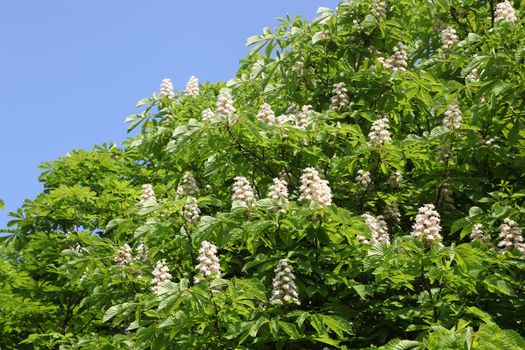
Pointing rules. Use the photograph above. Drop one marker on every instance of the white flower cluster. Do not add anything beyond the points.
(379, 8)
(391, 213)
(188, 185)
(208, 261)
(479, 233)
(510, 234)
(243, 192)
(427, 226)
(284, 290)
(452, 119)
(315, 189)
(207, 114)
(192, 87)
(166, 89)
(142, 252)
(473, 76)
(257, 66)
(266, 114)
(446, 198)
(191, 211)
(123, 256)
(504, 12)
(398, 60)
(148, 194)
(225, 103)
(303, 117)
(298, 67)
(339, 99)
(161, 274)
(395, 180)
(379, 133)
(279, 191)
(448, 38)
(363, 178)
(379, 230)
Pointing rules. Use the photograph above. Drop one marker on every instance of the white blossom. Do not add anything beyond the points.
(511, 237)
(473, 76)
(298, 67)
(225, 103)
(166, 89)
(378, 228)
(266, 114)
(379, 132)
(479, 233)
(257, 66)
(208, 261)
(188, 185)
(363, 178)
(303, 117)
(391, 213)
(192, 87)
(207, 114)
(427, 225)
(448, 38)
(452, 119)
(161, 274)
(446, 198)
(279, 191)
(398, 60)
(243, 192)
(284, 290)
(123, 256)
(504, 12)
(142, 252)
(379, 8)
(315, 189)
(148, 194)
(191, 211)
(339, 99)
(395, 180)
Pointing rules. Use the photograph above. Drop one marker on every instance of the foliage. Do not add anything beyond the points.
(62, 288)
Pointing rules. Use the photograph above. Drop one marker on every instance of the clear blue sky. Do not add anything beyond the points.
(71, 71)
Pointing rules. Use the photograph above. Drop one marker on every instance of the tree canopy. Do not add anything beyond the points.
(359, 184)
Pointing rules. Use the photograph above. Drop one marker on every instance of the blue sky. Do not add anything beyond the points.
(71, 71)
